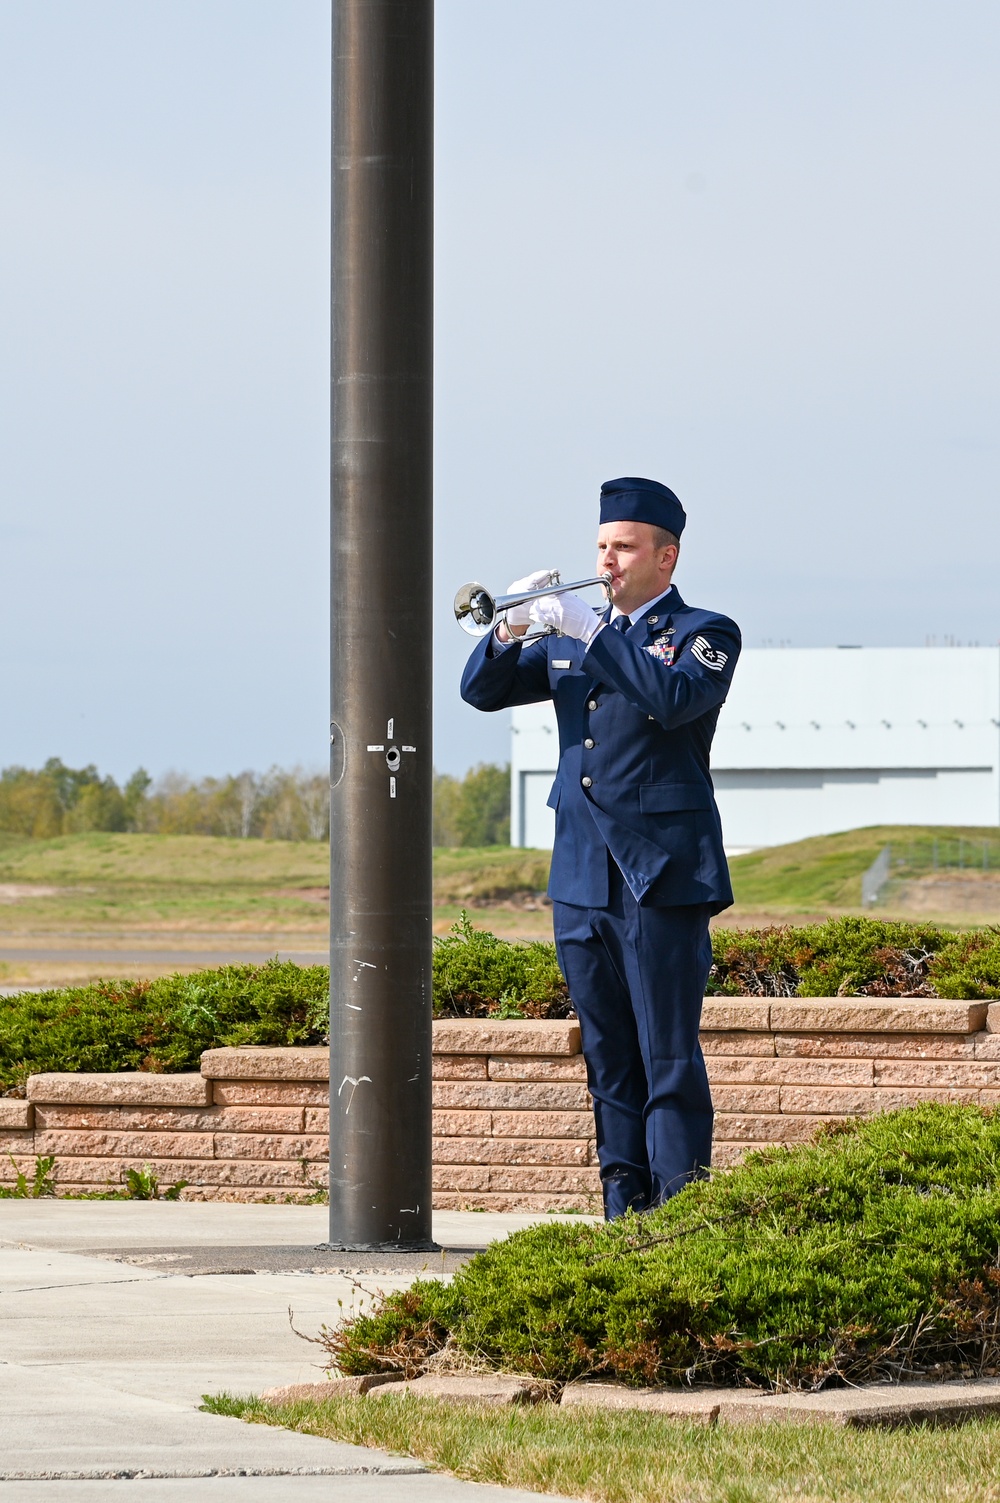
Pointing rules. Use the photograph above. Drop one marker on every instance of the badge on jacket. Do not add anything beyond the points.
(662, 649)
(709, 656)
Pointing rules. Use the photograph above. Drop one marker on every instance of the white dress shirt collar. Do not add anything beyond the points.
(641, 611)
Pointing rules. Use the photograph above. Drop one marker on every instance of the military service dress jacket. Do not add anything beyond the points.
(637, 711)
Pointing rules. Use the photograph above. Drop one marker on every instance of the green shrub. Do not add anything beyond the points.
(164, 1025)
(856, 957)
(842, 957)
(968, 965)
(476, 975)
(160, 1025)
(871, 1253)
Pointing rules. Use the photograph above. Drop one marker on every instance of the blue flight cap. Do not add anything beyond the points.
(633, 500)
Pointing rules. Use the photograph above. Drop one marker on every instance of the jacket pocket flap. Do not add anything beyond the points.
(552, 802)
(666, 798)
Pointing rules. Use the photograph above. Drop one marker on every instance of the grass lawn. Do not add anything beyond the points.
(170, 884)
(640, 1458)
(210, 883)
(162, 882)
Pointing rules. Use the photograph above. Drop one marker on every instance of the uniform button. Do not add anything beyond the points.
(591, 704)
(589, 744)
(587, 782)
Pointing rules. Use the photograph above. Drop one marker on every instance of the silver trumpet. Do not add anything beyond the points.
(478, 612)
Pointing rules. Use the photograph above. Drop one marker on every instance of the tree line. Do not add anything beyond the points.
(280, 804)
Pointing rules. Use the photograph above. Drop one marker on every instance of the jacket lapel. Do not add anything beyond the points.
(656, 621)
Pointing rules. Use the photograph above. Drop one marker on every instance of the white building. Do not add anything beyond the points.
(814, 740)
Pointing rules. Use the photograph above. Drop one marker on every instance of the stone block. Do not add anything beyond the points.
(96, 1173)
(876, 1015)
(512, 1151)
(723, 1069)
(986, 1045)
(460, 1067)
(132, 1119)
(236, 1195)
(256, 1062)
(993, 1018)
(511, 1096)
(465, 1177)
(479, 1036)
(333, 1388)
(838, 1101)
(317, 1119)
(856, 1102)
(536, 1069)
(16, 1115)
(763, 1129)
(495, 1390)
(17, 1144)
(885, 1405)
(260, 1119)
(279, 1174)
(746, 1014)
(115, 1147)
(265, 1146)
(462, 1124)
(873, 1046)
(270, 1093)
(515, 1179)
(133, 1088)
(460, 1200)
(543, 1124)
(725, 1155)
(746, 1098)
(737, 1041)
(966, 1074)
(53, 1117)
(699, 1407)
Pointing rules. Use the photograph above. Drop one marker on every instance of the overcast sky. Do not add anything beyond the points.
(748, 247)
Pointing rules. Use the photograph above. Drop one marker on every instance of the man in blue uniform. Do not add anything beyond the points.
(638, 866)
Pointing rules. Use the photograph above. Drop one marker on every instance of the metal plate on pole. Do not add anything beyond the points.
(380, 735)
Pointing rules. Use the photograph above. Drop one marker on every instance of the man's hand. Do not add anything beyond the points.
(568, 614)
(518, 617)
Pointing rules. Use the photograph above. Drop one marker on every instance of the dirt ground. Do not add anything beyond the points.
(968, 896)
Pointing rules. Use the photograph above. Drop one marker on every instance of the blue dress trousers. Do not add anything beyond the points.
(638, 868)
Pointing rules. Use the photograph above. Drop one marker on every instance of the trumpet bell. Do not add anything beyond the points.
(475, 609)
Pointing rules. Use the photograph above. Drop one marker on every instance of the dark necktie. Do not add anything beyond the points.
(622, 623)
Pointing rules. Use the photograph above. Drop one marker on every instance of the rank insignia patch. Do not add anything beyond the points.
(662, 650)
(709, 656)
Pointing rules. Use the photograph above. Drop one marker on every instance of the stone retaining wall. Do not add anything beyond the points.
(512, 1122)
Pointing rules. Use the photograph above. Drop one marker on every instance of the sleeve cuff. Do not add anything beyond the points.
(496, 647)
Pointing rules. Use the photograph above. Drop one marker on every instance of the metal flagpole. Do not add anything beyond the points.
(380, 732)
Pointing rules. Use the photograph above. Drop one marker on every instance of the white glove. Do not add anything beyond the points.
(518, 615)
(570, 616)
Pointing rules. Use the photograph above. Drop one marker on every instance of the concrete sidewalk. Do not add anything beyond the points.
(104, 1360)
